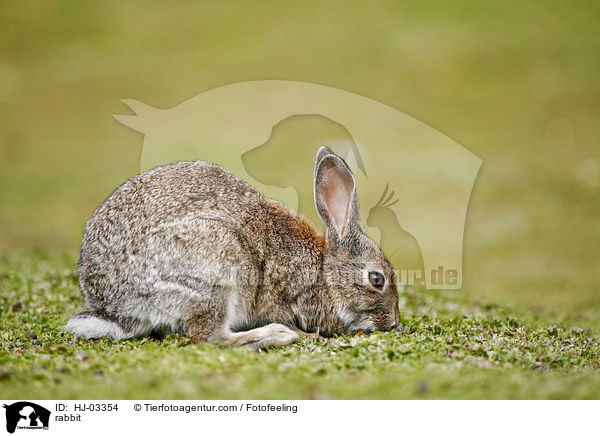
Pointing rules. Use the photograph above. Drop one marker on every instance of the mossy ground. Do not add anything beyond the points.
(449, 346)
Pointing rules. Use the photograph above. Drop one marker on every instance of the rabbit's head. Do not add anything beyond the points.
(357, 274)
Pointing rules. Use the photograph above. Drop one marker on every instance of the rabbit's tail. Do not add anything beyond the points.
(96, 324)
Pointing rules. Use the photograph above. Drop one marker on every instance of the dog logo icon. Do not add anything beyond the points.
(26, 415)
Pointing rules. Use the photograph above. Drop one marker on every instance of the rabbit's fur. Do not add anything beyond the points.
(189, 248)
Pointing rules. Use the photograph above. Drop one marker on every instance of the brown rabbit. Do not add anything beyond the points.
(189, 248)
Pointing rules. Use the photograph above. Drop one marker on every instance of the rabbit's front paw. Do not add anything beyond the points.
(271, 335)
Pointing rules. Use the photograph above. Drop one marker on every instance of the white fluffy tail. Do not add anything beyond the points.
(91, 325)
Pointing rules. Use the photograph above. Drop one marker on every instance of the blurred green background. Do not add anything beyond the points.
(516, 83)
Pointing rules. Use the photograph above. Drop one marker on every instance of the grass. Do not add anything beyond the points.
(449, 346)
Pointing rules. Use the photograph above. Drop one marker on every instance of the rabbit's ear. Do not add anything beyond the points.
(321, 153)
(335, 196)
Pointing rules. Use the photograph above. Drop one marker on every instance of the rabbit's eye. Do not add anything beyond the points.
(376, 279)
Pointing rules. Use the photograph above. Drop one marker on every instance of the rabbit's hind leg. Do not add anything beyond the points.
(207, 327)
(217, 323)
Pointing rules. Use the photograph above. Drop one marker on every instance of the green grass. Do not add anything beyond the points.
(449, 346)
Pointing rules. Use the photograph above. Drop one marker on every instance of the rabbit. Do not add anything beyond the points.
(189, 248)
